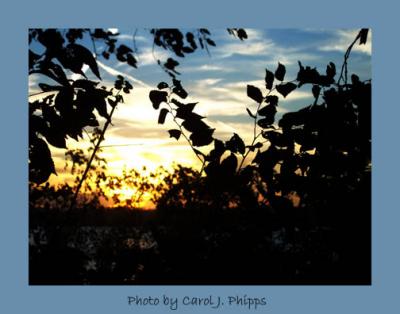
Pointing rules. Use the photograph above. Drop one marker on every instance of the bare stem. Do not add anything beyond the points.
(96, 147)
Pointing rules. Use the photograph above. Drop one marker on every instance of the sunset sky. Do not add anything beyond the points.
(217, 82)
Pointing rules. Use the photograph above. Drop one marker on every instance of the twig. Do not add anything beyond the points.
(344, 65)
(101, 138)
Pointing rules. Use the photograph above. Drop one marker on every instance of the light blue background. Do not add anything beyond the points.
(16, 296)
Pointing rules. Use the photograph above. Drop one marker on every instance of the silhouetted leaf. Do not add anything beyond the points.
(276, 138)
(122, 53)
(363, 36)
(267, 110)
(55, 137)
(195, 124)
(266, 122)
(74, 56)
(41, 165)
(157, 97)
(235, 144)
(254, 93)
(355, 79)
(37, 124)
(63, 100)
(175, 133)
(252, 148)
(272, 100)
(269, 79)
(202, 138)
(131, 60)
(316, 90)
(190, 39)
(178, 89)
(49, 88)
(242, 34)
(250, 113)
(229, 165)
(311, 75)
(98, 97)
(330, 70)
(171, 64)
(216, 153)
(210, 42)
(185, 111)
(162, 115)
(280, 72)
(292, 118)
(52, 40)
(85, 84)
(286, 89)
(205, 31)
(162, 85)
(187, 49)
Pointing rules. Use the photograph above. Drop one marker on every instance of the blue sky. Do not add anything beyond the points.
(218, 82)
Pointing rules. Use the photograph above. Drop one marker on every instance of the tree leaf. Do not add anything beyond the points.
(157, 97)
(269, 79)
(63, 100)
(250, 113)
(330, 70)
(49, 88)
(74, 56)
(219, 149)
(280, 72)
(316, 90)
(266, 122)
(272, 100)
(229, 165)
(236, 144)
(131, 60)
(363, 36)
(84, 84)
(41, 165)
(162, 85)
(178, 89)
(175, 133)
(55, 137)
(162, 115)
(171, 64)
(210, 42)
(185, 111)
(267, 110)
(286, 89)
(202, 138)
(254, 93)
(241, 33)
(195, 124)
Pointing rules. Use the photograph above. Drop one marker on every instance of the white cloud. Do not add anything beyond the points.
(206, 68)
(147, 56)
(343, 40)
(115, 72)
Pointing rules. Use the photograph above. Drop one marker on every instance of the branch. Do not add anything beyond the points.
(101, 138)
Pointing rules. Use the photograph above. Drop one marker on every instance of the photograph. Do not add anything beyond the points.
(199, 156)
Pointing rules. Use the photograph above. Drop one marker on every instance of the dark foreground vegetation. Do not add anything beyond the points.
(302, 245)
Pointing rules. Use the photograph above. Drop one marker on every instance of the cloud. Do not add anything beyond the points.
(342, 40)
(114, 72)
(206, 68)
(147, 56)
